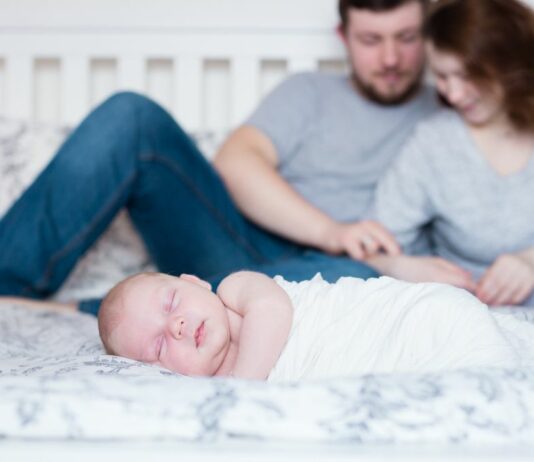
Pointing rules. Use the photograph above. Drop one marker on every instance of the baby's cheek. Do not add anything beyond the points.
(172, 360)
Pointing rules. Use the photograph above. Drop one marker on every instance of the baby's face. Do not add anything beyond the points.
(173, 322)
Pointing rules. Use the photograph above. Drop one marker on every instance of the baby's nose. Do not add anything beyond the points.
(177, 327)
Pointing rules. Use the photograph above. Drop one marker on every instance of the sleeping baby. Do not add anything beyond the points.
(255, 327)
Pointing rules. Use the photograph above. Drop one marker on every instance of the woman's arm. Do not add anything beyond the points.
(404, 203)
(267, 315)
(527, 255)
(423, 269)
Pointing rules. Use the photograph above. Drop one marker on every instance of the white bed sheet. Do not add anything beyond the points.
(56, 385)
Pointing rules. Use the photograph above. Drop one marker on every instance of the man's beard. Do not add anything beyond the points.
(369, 91)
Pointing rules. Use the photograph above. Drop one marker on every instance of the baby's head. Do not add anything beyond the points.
(175, 322)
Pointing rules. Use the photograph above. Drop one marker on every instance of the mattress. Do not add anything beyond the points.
(56, 384)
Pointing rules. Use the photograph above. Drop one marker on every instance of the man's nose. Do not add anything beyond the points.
(177, 327)
(390, 54)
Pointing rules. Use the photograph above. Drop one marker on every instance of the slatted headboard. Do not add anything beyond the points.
(207, 61)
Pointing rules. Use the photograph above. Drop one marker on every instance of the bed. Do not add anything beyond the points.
(61, 395)
(59, 392)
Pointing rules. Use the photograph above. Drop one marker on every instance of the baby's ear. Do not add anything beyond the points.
(196, 280)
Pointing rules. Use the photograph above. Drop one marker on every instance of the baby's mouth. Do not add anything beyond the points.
(199, 334)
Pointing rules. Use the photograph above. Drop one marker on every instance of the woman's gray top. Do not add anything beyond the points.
(442, 196)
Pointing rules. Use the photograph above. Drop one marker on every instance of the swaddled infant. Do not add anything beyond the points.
(259, 328)
(180, 324)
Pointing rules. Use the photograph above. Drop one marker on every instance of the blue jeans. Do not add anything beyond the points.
(130, 153)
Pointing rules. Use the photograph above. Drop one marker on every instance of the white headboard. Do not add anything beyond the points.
(207, 61)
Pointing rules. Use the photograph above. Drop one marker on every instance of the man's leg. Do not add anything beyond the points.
(203, 232)
(307, 264)
(311, 262)
(128, 152)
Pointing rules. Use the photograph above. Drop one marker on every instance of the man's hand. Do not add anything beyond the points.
(424, 269)
(508, 281)
(359, 240)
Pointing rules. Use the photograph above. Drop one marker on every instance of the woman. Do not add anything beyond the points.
(463, 188)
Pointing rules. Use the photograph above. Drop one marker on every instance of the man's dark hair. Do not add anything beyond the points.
(373, 5)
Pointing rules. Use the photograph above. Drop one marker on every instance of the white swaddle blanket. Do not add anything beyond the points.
(384, 325)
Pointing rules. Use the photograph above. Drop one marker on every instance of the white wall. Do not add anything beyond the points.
(260, 14)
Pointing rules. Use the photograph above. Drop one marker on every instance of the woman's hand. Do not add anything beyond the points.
(359, 240)
(508, 281)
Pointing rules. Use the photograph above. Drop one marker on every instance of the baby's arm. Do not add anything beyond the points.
(267, 315)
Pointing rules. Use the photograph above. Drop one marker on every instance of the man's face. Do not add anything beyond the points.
(386, 51)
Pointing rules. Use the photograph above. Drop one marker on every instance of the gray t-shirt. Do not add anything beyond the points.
(473, 214)
(332, 143)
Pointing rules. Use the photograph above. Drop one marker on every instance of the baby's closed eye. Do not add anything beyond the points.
(173, 301)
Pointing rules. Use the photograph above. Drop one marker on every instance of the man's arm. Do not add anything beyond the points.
(248, 164)
(267, 315)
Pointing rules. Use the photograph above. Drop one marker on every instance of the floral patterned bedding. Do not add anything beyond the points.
(56, 382)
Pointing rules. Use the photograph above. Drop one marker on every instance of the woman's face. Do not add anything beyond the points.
(478, 107)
